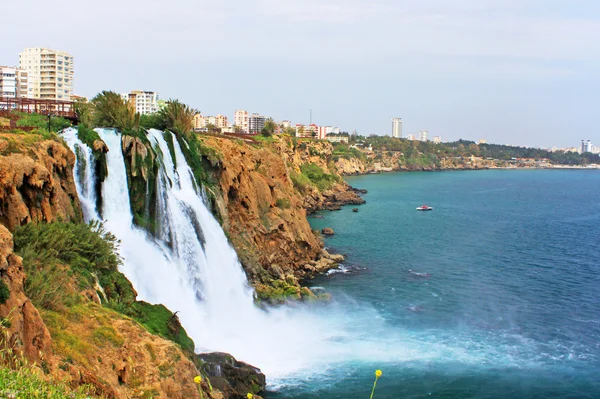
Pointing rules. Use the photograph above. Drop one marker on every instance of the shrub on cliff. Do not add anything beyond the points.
(323, 181)
(55, 253)
(62, 260)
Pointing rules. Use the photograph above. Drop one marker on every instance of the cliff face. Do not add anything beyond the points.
(262, 212)
(25, 331)
(36, 181)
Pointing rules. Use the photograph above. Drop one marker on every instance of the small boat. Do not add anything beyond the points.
(425, 208)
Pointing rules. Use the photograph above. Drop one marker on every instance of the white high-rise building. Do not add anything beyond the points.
(145, 102)
(586, 146)
(397, 127)
(241, 120)
(423, 135)
(50, 73)
(437, 139)
(14, 82)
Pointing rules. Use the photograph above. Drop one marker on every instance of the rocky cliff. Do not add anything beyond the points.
(393, 161)
(264, 214)
(36, 181)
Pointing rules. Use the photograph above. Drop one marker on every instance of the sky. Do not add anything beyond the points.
(523, 72)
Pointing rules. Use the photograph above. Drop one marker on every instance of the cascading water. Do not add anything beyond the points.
(192, 269)
(84, 173)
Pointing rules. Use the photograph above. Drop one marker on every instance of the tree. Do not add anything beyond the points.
(111, 110)
(290, 131)
(269, 128)
(177, 117)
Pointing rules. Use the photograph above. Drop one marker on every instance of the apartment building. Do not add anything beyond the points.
(221, 121)
(145, 102)
(437, 139)
(50, 73)
(256, 123)
(423, 135)
(307, 131)
(14, 82)
(241, 119)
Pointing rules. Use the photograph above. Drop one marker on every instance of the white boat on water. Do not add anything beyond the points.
(425, 208)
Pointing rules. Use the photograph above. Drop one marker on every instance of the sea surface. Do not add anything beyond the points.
(493, 294)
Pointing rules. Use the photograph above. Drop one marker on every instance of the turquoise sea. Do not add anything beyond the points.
(493, 294)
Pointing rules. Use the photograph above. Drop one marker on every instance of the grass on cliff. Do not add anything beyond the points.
(65, 261)
(26, 383)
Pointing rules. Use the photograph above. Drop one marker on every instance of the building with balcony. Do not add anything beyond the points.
(50, 73)
(14, 82)
(256, 123)
(145, 102)
(241, 119)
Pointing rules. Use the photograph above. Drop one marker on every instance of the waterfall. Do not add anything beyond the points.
(191, 268)
(84, 173)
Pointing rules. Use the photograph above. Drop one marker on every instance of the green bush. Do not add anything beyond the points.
(56, 253)
(4, 292)
(40, 122)
(300, 181)
(317, 176)
(87, 135)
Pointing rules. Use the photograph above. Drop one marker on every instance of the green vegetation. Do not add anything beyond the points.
(283, 203)
(40, 122)
(177, 117)
(323, 181)
(341, 150)
(269, 128)
(161, 321)
(4, 292)
(26, 383)
(63, 260)
(111, 110)
(301, 182)
(56, 253)
(87, 135)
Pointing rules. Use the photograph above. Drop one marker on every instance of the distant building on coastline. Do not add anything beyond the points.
(423, 135)
(397, 127)
(145, 102)
(14, 82)
(49, 73)
(256, 122)
(437, 139)
(586, 146)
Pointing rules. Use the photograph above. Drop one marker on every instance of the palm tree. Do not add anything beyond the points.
(178, 117)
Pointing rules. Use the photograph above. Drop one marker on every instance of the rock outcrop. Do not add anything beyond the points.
(234, 378)
(23, 327)
(36, 182)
